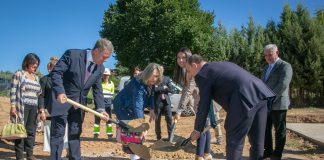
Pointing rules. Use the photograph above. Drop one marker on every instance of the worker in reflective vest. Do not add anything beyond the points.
(108, 88)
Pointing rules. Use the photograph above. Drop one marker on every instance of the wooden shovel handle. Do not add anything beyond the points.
(84, 108)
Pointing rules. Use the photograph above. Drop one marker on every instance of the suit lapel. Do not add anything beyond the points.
(83, 63)
(264, 73)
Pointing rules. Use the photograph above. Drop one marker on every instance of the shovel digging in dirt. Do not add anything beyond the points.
(186, 141)
(135, 127)
(140, 150)
(132, 126)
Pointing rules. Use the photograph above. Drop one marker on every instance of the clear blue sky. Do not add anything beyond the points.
(48, 28)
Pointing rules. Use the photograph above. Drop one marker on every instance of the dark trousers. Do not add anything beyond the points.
(277, 119)
(212, 116)
(58, 124)
(203, 143)
(238, 125)
(168, 118)
(108, 110)
(30, 115)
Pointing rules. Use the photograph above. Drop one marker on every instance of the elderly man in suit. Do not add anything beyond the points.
(72, 77)
(243, 96)
(277, 75)
(162, 103)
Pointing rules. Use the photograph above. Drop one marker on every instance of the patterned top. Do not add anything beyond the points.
(32, 90)
(20, 93)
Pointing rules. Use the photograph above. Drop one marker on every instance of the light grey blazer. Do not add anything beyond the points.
(279, 80)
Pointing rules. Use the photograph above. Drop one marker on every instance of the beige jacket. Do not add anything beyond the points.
(189, 99)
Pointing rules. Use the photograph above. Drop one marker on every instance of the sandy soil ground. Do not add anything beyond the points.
(296, 147)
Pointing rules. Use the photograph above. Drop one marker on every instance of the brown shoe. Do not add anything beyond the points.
(199, 158)
(208, 156)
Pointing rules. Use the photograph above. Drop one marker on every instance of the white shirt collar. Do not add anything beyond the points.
(89, 56)
(272, 65)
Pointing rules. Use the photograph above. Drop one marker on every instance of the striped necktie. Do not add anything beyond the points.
(88, 72)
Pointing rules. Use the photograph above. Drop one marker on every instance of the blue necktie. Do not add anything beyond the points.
(268, 72)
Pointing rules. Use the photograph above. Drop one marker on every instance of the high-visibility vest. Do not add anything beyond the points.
(108, 89)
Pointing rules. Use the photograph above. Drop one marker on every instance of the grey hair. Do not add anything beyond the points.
(271, 47)
(103, 44)
(148, 72)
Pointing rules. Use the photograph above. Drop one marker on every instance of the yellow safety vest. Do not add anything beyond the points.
(108, 89)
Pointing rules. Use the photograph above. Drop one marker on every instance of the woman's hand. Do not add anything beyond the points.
(13, 111)
(152, 115)
(42, 115)
(177, 117)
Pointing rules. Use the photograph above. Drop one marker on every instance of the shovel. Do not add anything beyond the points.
(173, 130)
(141, 128)
(137, 149)
(186, 141)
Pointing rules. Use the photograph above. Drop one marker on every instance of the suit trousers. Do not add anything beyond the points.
(277, 119)
(238, 125)
(168, 118)
(30, 116)
(74, 120)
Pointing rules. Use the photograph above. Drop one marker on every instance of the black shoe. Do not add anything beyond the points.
(266, 155)
(31, 158)
(110, 137)
(274, 157)
(158, 138)
(95, 136)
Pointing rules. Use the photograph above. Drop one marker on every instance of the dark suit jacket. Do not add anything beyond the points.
(279, 80)
(68, 77)
(44, 97)
(159, 90)
(230, 86)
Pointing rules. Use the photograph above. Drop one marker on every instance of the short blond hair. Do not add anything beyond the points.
(148, 72)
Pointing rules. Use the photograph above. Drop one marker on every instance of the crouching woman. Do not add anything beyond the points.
(130, 102)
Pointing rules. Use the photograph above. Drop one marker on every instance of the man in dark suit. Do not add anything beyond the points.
(243, 96)
(162, 103)
(277, 75)
(72, 77)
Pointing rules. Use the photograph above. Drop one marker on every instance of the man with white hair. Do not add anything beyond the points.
(277, 76)
(74, 74)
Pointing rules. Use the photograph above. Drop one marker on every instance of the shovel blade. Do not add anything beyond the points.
(185, 142)
(172, 131)
(140, 150)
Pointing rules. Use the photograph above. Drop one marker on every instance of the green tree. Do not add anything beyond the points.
(219, 43)
(271, 33)
(144, 31)
(301, 46)
(238, 48)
